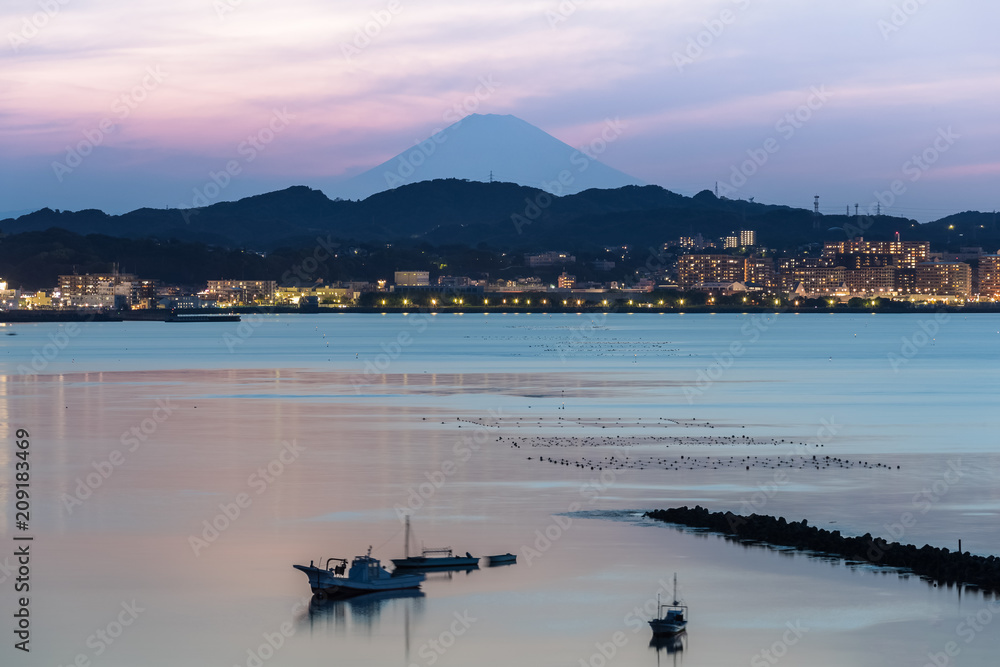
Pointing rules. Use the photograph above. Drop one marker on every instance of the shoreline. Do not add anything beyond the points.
(35, 316)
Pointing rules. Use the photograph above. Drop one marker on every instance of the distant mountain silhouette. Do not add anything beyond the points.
(501, 215)
(513, 150)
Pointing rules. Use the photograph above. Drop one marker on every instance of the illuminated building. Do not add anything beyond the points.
(989, 277)
(944, 279)
(696, 269)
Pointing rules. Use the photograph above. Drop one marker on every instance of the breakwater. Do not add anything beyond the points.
(933, 563)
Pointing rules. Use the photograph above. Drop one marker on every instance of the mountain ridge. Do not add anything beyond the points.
(505, 215)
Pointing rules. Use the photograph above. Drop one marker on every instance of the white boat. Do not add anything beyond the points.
(671, 619)
(366, 575)
(433, 559)
(501, 559)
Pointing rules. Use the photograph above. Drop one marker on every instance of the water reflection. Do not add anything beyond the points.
(500, 564)
(447, 573)
(359, 614)
(672, 646)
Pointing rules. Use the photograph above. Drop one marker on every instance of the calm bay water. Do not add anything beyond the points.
(282, 409)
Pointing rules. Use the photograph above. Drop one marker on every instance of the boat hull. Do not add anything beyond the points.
(665, 628)
(331, 585)
(502, 559)
(423, 563)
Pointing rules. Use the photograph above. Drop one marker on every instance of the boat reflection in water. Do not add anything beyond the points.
(673, 645)
(360, 614)
(448, 573)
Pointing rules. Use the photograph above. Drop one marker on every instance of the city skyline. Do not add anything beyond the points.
(839, 101)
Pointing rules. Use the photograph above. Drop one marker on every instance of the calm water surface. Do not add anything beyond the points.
(200, 414)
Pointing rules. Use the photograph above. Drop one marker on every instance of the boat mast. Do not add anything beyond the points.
(406, 545)
(675, 589)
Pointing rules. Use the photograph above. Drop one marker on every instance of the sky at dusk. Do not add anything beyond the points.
(116, 105)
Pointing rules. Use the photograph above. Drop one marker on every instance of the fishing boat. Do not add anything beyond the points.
(433, 559)
(502, 559)
(366, 575)
(671, 619)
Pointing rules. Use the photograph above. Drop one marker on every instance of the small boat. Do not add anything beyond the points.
(502, 559)
(366, 575)
(433, 559)
(671, 619)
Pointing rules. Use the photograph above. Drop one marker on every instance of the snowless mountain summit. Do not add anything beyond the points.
(505, 146)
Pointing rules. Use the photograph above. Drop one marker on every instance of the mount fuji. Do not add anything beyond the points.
(505, 148)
